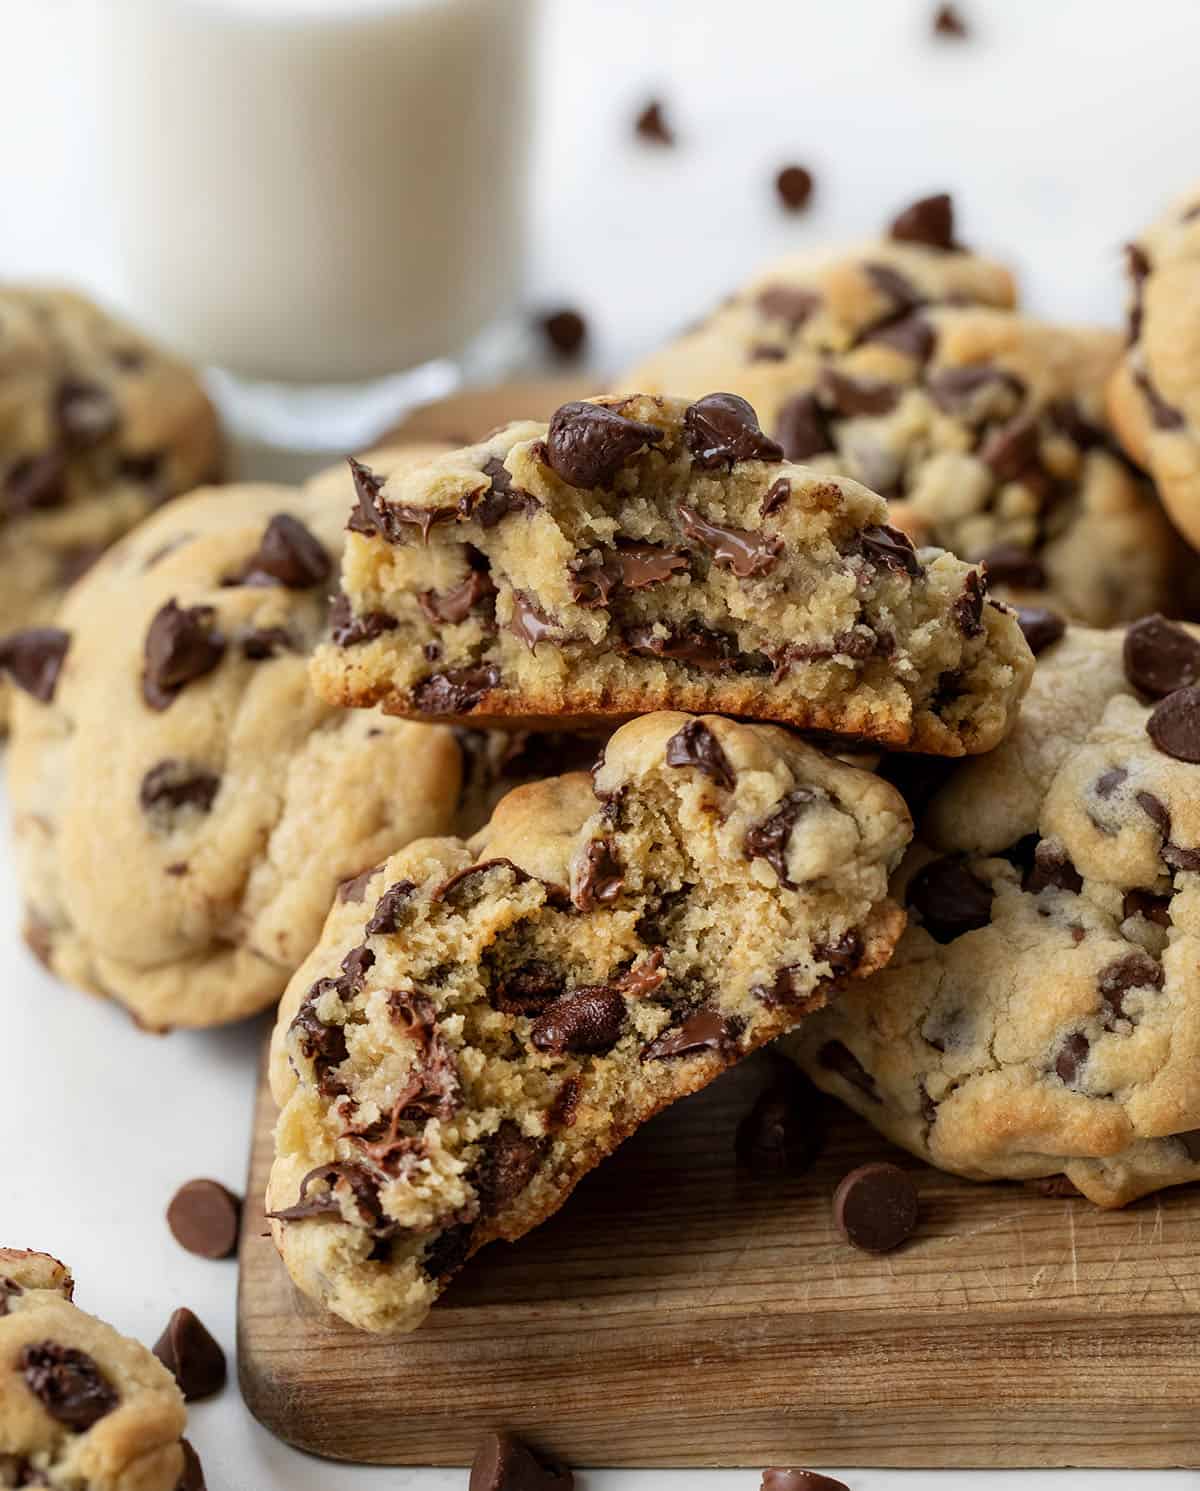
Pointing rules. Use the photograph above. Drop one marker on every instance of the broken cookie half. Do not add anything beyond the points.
(644, 552)
(496, 1016)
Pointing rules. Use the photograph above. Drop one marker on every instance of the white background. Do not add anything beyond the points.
(1060, 127)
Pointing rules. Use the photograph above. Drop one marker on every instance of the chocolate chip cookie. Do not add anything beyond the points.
(97, 428)
(1154, 395)
(184, 807)
(80, 1405)
(1042, 1014)
(641, 553)
(985, 430)
(493, 1018)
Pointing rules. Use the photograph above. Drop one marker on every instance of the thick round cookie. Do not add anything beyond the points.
(184, 806)
(984, 429)
(97, 428)
(646, 553)
(495, 1017)
(1154, 395)
(80, 1405)
(1042, 1013)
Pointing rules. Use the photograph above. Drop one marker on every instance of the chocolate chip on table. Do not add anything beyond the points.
(782, 1134)
(706, 1029)
(745, 552)
(1012, 564)
(33, 659)
(290, 555)
(1041, 626)
(86, 413)
(67, 1383)
(204, 1217)
(801, 428)
(778, 1478)
(794, 186)
(586, 1020)
(1174, 725)
(588, 444)
(949, 24)
(769, 839)
(191, 1355)
(722, 429)
(505, 1463)
(565, 332)
(1160, 657)
(929, 221)
(694, 744)
(34, 483)
(651, 125)
(192, 1478)
(172, 784)
(875, 1207)
(182, 644)
(950, 898)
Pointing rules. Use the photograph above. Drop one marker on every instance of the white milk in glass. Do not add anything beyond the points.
(319, 191)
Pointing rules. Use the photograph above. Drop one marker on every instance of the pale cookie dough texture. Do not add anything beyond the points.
(184, 806)
(82, 1408)
(645, 553)
(1154, 396)
(495, 1017)
(1041, 1017)
(98, 427)
(900, 365)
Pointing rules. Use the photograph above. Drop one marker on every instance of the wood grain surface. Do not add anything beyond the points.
(676, 1312)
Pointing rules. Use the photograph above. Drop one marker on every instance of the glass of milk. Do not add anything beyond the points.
(323, 200)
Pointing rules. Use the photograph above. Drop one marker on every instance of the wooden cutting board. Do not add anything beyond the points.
(676, 1312)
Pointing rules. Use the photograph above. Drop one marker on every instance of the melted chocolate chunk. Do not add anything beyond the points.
(586, 1020)
(968, 608)
(588, 444)
(504, 1463)
(929, 221)
(385, 919)
(912, 334)
(1160, 657)
(456, 604)
(705, 1029)
(33, 659)
(776, 497)
(529, 623)
(365, 516)
(448, 1251)
(694, 744)
(1072, 1055)
(289, 555)
(794, 186)
(191, 1355)
(1137, 262)
(1174, 855)
(1041, 627)
(565, 331)
(1136, 970)
(457, 691)
(695, 645)
(1066, 415)
(853, 396)
(1164, 416)
(513, 1159)
(957, 390)
(172, 785)
(782, 1135)
(501, 498)
(651, 128)
(1011, 564)
(348, 1176)
(888, 546)
(86, 413)
(876, 1208)
(631, 566)
(949, 898)
(769, 839)
(835, 1057)
(601, 878)
(1174, 725)
(1051, 870)
(801, 428)
(1144, 903)
(722, 429)
(746, 552)
(34, 484)
(182, 644)
(1014, 449)
(349, 630)
(67, 1383)
(526, 990)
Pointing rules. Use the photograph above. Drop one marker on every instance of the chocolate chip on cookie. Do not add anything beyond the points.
(182, 644)
(694, 744)
(950, 898)
(928, 221)
(587, 444)
(191, 1355)
(33, 659)
(876, 1207)
(1160, 657)
(68, 1384)
(1041, 627)
(722, 429)
(289, 555)
(204, 1218)
(1174, 725)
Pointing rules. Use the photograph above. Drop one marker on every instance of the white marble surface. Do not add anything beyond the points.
(1059, 127)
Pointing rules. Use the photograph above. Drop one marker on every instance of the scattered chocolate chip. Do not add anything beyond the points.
(631, 566)
(835, 1057)
(853, 396)
(1163, 415)
(929, 221)
(788, 303)
(588, 444)
(457, 691)
(776, 497)
(948, 23)
(87, 414)
(1011, 564)
(192, 1478)
(1041, 627)
(504, 1463)
(191, 1355)
(777, 1478)
(801, 428)
(182, 644)
(33, 659)
(565, 332)
(35, 483)
(1174, 725)
(289, 555)
(888, 546)
(1072, 1054)
(1051, 869)
(349, 630)
(1144, 903)
(705, 1029)
(601, 878)
(1160, 657)
(651, 125)
(172, 785)
(67, 1383)
(794, 186)
(204, 1218)
(586, 1020)
(747, 553)
(769, 839)
(695, 645)
(782, 1134)
(694, 744)
(950, 899)
(722, 429)
(875, 1207)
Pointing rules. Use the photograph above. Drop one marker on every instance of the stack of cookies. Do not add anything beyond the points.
(546, 778)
